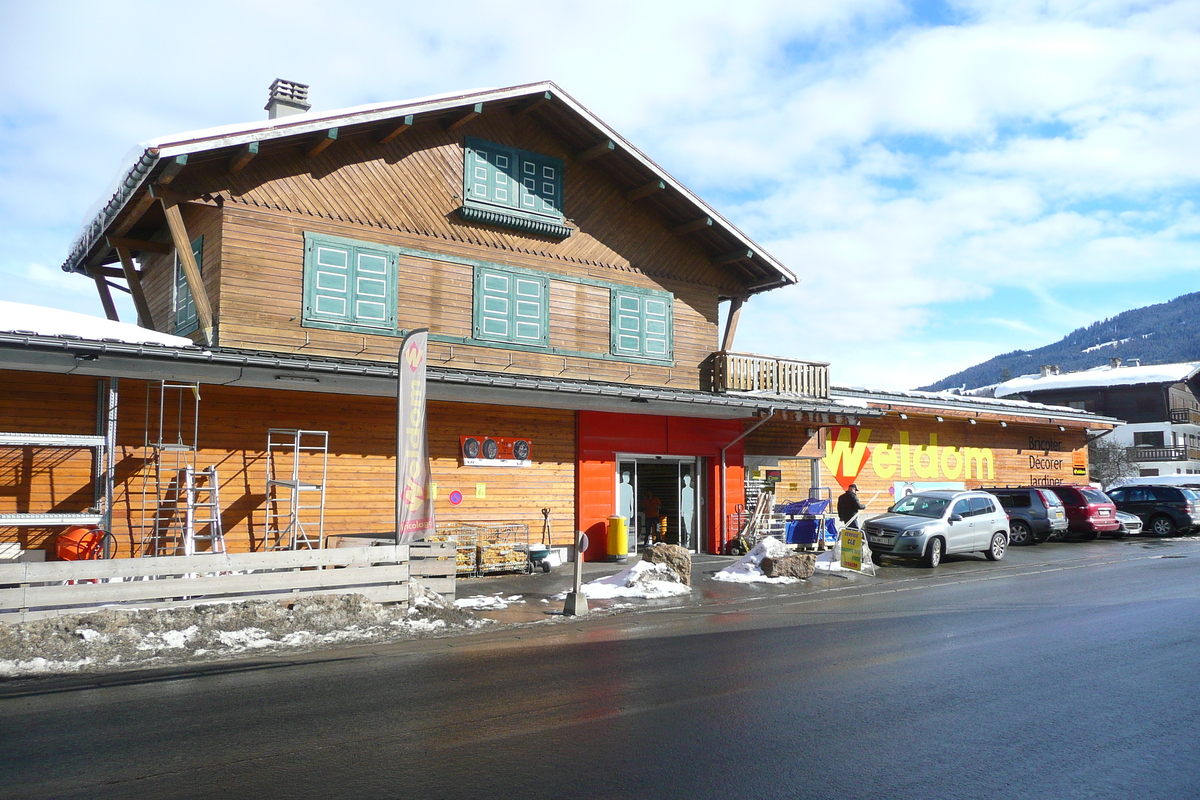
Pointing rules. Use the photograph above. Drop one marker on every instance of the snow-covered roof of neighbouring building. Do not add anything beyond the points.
(962, 402)
(1100, 377)
(42, 321)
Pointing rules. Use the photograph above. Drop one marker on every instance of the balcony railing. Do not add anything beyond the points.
(744, 372)
(1185, 416)
(1179, 453)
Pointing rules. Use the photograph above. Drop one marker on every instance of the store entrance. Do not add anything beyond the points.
(660, 498)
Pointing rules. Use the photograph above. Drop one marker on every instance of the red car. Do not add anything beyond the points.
(1090, 512)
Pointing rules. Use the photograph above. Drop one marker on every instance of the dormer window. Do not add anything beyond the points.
(513, 188)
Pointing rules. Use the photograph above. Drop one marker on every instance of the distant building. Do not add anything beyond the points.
(1160, 403)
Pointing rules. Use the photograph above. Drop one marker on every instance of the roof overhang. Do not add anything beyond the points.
(226, 367)
(968, 407)
(628, 166)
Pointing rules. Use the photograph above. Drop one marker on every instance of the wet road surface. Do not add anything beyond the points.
(1067, 670)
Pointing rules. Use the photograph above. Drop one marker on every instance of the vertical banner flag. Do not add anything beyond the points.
(414, 498)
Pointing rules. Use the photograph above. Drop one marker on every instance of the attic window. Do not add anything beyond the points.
(513, 188)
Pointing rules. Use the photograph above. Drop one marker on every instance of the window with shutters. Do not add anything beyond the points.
(641, 324)
(349, 285)
(512, 307)
(186, 320)
(513, 188)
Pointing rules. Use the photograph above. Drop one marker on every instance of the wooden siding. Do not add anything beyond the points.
(1010, 447)
(405, 194)
(233, 435)
(158, 271)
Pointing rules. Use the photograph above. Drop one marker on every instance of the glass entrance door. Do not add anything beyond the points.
(660, 498)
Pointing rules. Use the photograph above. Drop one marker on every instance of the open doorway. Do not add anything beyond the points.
(661, 498)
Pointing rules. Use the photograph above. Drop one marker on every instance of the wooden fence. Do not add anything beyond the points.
(30, 590)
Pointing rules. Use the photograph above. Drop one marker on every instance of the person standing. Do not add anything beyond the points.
(848, 504)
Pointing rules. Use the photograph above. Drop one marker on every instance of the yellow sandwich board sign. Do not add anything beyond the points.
(852, 549)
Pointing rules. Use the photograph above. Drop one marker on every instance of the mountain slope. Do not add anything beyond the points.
(1164, 333)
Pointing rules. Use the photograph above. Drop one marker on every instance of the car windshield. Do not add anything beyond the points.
(917, 506)
(1190, 494)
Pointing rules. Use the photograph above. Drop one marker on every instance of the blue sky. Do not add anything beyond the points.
(950, 180)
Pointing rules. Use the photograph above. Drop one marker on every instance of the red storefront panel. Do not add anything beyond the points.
(602, 435)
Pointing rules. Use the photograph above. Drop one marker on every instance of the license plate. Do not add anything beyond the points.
(1104, 512)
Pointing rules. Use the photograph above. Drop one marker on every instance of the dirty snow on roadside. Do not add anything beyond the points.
(642, 579)
(747, 570)
(494, 602)
(114, 638)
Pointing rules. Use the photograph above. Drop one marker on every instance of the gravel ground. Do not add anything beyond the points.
(110, 639)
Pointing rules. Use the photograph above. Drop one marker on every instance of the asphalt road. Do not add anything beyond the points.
(1067, 670)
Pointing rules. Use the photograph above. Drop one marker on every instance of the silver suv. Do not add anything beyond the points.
(929, 525)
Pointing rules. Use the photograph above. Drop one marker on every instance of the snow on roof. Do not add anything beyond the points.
(1100, 377)
(42, 321)
(950, 397)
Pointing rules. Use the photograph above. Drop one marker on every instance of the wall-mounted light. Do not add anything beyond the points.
(1061, 428)
(973, 422)
(939, 419)
(1003, 424)
(904, 416)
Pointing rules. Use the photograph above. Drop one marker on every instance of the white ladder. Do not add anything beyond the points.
(200, 512)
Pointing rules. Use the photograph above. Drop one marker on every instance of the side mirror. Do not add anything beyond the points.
(891, 508)
(956, 517)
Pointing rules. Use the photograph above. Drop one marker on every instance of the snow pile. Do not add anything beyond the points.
(831, 561)
(118, 638)
(747, 570)
(642, 579)
(42, 321)
(489, 602)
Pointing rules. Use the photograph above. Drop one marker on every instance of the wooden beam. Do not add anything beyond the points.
(173, 168)
(191, 270)
(243, 156)
(731, 322)
(172, 197)
(321, 142)
(595, 151)
(524, 108)
(111, 272)
(734, 257)
(396, 130)
(139, 245)
(693, 226)
(118, 287)
(645, 190)
(110, 308)
(135, 289)
(458, 122)
(135, 212)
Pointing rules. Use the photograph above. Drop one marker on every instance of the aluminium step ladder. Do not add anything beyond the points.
(297, 467)
(202, 514)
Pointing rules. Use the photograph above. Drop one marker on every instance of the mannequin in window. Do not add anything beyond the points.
(687, 509)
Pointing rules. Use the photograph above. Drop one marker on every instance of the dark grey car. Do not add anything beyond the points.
(928, 525)
(1034, 515)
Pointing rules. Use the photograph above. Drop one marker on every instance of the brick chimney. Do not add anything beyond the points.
(287, 98)
(1045, 370)
(1114, 362)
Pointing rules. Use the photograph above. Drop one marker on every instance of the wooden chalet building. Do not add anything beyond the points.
(571, 287)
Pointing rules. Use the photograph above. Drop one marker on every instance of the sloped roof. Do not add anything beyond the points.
(627, 166)
(1100, 377)
(970, 403)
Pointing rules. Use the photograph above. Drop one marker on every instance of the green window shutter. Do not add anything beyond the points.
(349, 284)
(517, 180)
(511, 307)
(541, 185)
(489, 174)
(186, 319)
(641, 324)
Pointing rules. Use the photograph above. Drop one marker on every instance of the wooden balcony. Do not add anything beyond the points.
(1185, 416)
(1176, 453)
(744, 372)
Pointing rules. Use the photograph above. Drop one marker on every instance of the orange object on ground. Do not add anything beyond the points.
(79, 543)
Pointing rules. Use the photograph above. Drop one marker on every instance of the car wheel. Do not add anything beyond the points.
(1020, 533)
(877, 558)
(1162, 525)
(1089, 535)
(933, 553)
(996, 551)
(1058, 536)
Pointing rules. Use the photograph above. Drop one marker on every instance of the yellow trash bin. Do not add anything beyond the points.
(618, 539)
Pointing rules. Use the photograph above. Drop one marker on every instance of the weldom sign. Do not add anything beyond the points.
(414, 498)
(848, 452)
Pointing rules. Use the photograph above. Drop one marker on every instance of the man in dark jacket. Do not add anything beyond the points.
(848, 504)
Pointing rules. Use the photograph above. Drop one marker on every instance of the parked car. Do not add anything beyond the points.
(1164, 510)
(928, 525)
(1033, 514)
(1131, 524)
(1090, 512)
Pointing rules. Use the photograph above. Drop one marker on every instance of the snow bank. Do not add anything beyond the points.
(642, 579)
(747, 570)
(42, 321)
(489, 602)
(116, 638)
